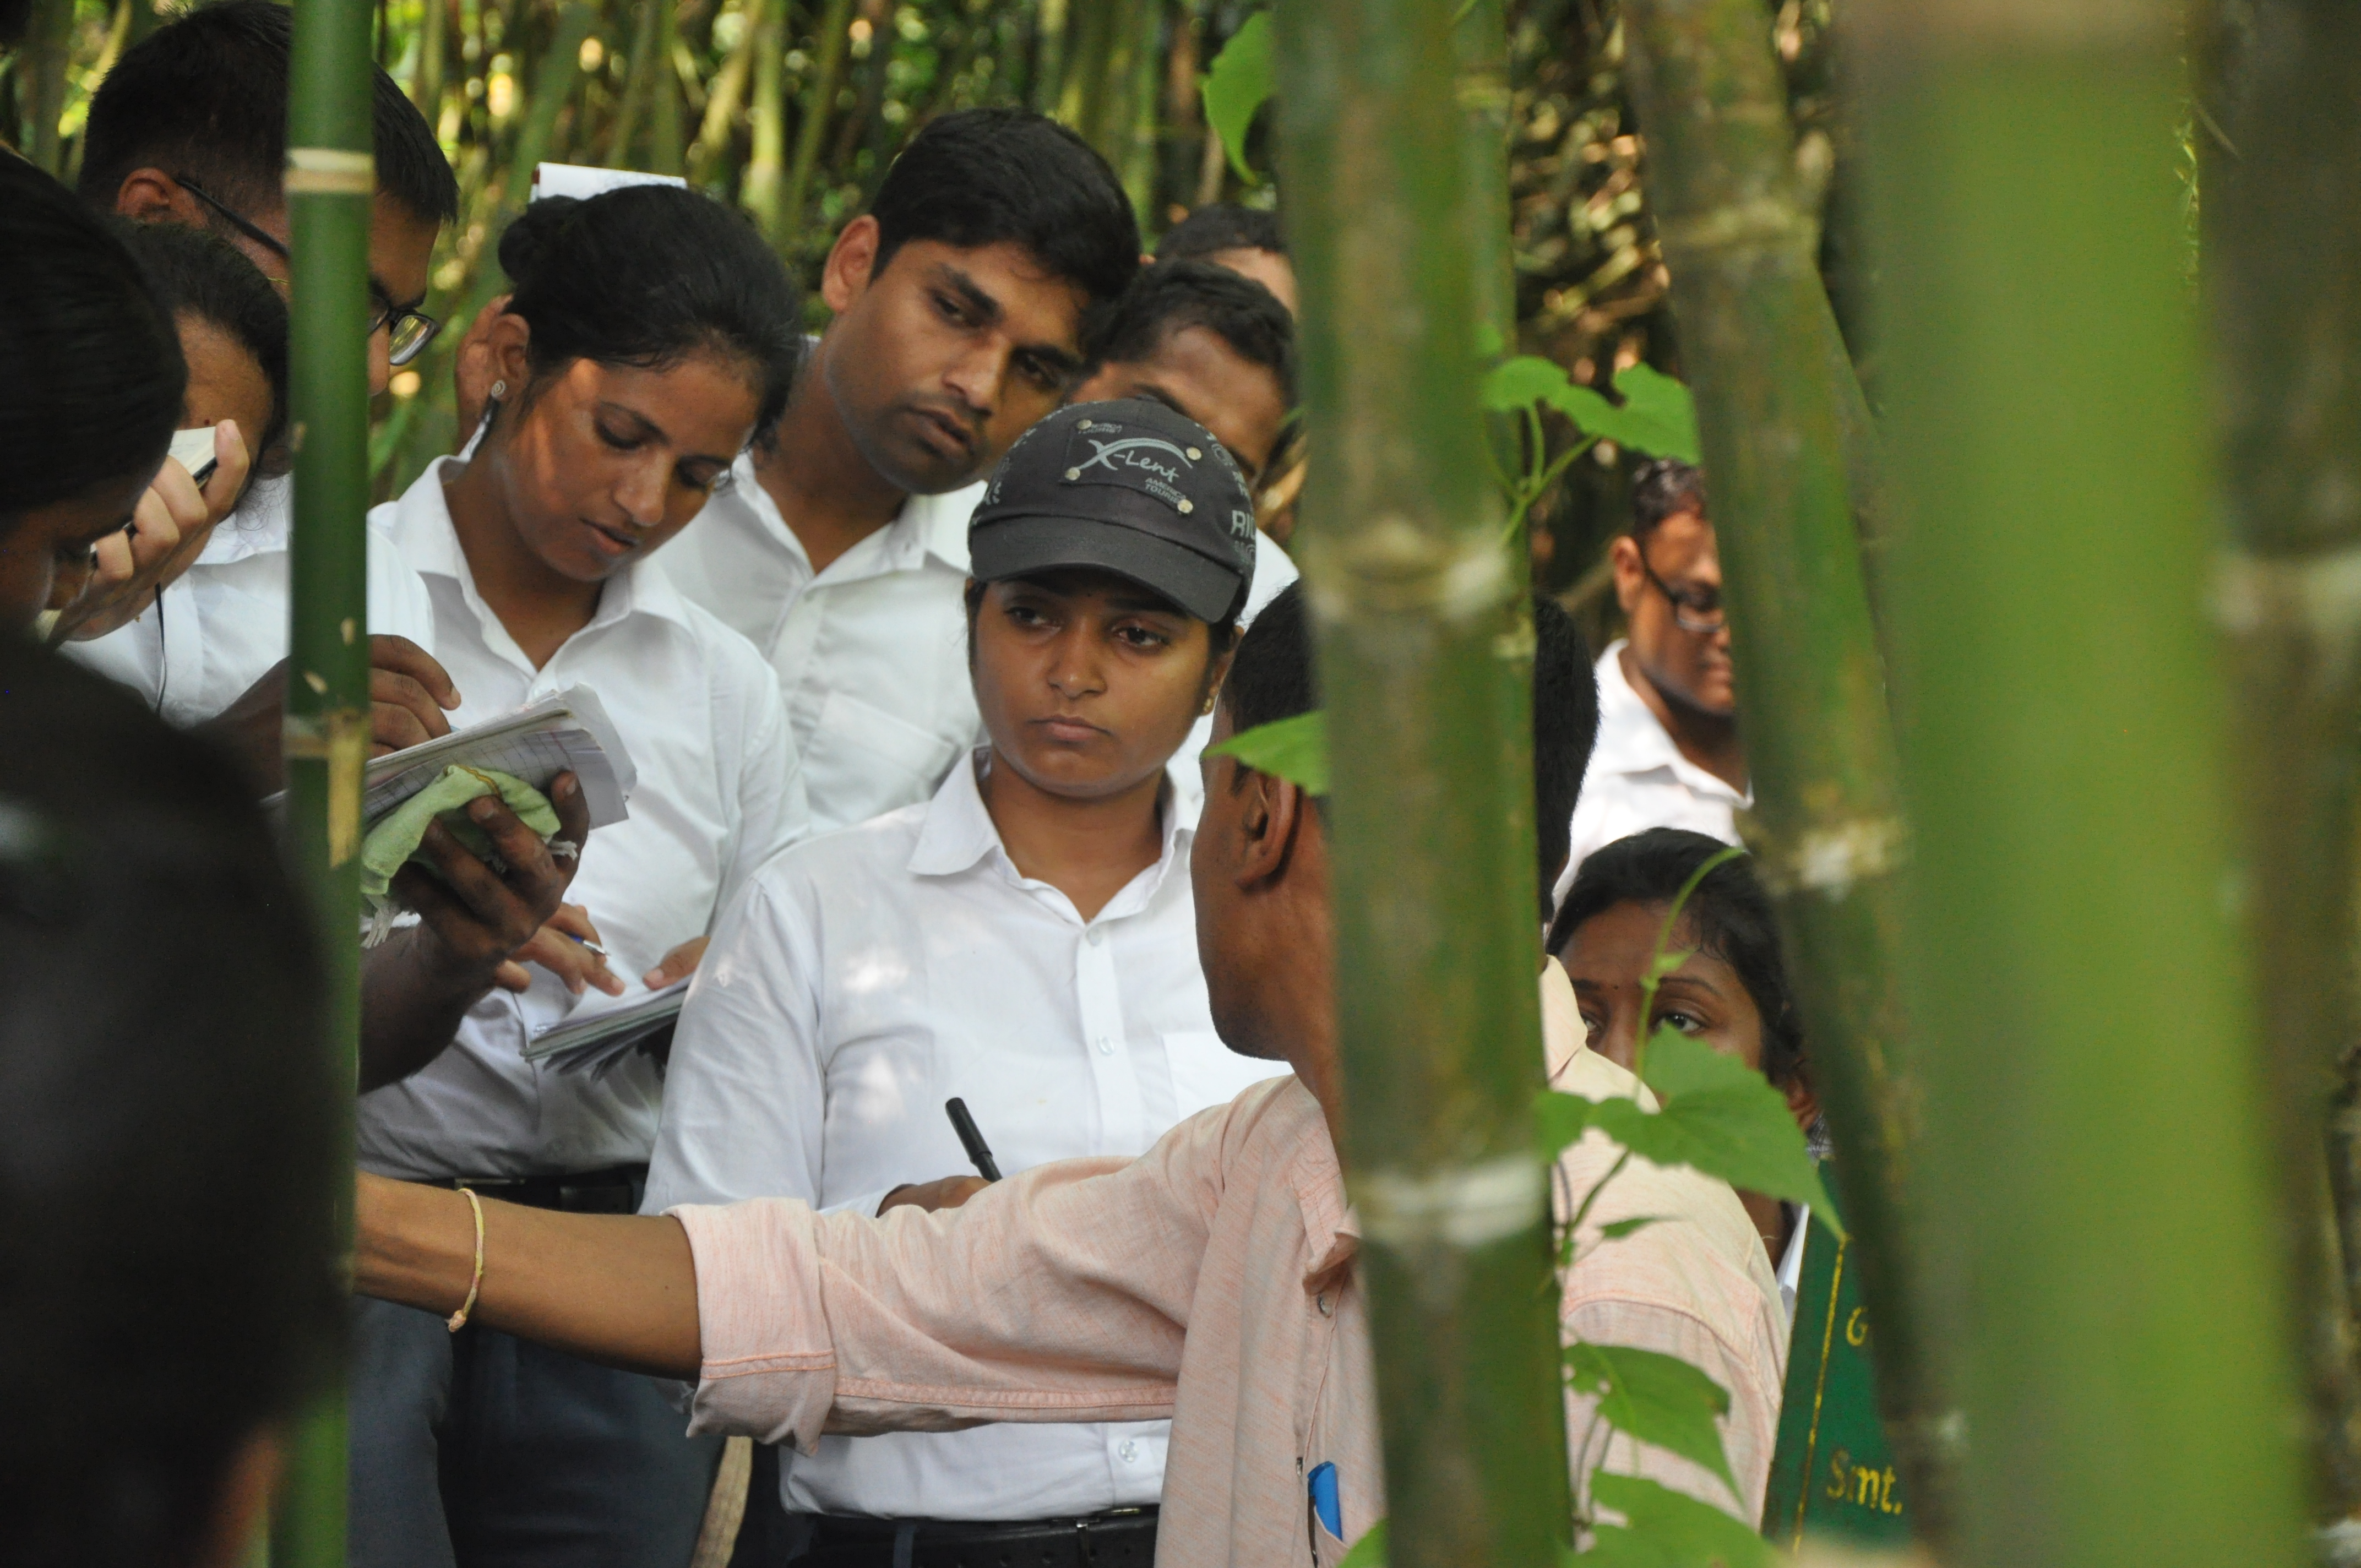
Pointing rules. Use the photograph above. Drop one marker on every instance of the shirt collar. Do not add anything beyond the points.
(959, 833)
(1332, 1231)
(1633, 741)
(421, 527)
(927, 525)
(262, 523)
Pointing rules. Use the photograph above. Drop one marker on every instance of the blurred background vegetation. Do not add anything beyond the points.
(793, 108)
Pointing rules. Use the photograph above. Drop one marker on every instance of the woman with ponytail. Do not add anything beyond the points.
(650, 334)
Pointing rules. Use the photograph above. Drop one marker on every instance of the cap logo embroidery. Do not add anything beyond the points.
(1132, 454)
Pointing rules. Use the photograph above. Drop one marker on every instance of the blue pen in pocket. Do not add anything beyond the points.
(1327, 1507)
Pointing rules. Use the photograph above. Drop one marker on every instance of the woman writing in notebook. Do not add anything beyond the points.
(649, 333)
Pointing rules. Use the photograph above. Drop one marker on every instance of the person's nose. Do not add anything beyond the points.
(978, 376)
(1074, 669)
(640, 492)
(380, 361)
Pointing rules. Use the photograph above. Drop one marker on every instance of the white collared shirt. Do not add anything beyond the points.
(867, 977)
(221, 624)
(1638, 779)
(872, 652)
(719, 793)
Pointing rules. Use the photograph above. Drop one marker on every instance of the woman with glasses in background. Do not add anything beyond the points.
(1668, 753)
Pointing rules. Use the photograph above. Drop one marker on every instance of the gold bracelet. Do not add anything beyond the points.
(458, 1320)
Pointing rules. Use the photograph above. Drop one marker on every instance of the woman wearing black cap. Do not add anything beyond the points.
(1024, 942)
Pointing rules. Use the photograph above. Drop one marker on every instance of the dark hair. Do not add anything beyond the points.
(645, 275)
(1273, 678)
(1565, 727)
(1728, 915)
(1663, 487)
(1219, 226)
(1173, 295)
(169, 1281)
(197, 273)
(982, 176)
(90, 375)
(206, 96)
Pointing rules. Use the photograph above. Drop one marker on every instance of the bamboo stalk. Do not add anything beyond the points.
(42, 72)
(766, 165)
(1136, 137)
(819, 104)
(1826, 827)
(1411, 591)
(426, 86)
(728, 92)
(327, 716)
(2283, 263)
(664, 100)
(2108, 1296)
(639, 85)
(1050, 74)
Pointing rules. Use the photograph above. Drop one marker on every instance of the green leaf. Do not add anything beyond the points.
(1720, 1117)
(1616, 1230)
(1293, 748)
(1236, 85)
(1369, 1551)
(1560, 1119)
(1658, 416)
(1659, 1399)
(1668, 1529)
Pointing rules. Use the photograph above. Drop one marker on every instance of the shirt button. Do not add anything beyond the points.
(1094, 935)
(1128, 1451)
(1106, 1047)
(1322, 1302)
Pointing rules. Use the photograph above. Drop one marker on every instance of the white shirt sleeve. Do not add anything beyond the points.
(774, 810)
(746, 1092)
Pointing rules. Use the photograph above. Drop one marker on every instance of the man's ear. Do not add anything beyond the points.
(1270, 817)
(152, 196)
(1803, 1101)
(1631, 582)
(846, 277)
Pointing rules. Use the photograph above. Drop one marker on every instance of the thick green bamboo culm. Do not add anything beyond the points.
(2094, 1186)
(1414, 598)
(2282, 278)
(329, 189)
(1826, 829)
(819, 107)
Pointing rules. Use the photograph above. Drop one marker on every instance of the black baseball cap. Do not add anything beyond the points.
(1129, 486)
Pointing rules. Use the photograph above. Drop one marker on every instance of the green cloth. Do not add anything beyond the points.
(395, 839)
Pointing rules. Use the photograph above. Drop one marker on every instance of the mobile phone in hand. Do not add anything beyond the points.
(194, 449)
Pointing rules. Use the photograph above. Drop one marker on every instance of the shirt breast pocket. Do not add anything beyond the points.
(1206, 1072)
(1327, 1509)
(921, 753)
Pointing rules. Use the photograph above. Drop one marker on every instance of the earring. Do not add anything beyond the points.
(500, 390)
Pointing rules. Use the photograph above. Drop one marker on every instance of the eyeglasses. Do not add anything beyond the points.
(1697, 610)
(407, 331)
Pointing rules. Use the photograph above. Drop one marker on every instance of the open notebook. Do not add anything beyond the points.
(597, 1035)
(566, 732)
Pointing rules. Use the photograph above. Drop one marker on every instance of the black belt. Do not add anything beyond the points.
(1125, 1538)
(616, 1190)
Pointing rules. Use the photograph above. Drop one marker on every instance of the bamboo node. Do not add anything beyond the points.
(1465, 1206)
(1767, 222)
(1828, 860)
(1395, 567)
(2319, 594)
(330, 171)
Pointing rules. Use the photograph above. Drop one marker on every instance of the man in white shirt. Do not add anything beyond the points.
(1669, 754)
(961, 299)
(1024, 941)
(1219, 348)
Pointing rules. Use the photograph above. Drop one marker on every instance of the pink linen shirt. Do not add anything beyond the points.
(1210, 1281)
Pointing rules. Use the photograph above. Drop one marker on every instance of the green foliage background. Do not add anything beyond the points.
(725, 91)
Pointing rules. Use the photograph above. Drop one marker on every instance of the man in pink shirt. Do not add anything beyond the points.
(1210, 1281)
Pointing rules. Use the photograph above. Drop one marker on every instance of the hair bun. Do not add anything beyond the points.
(530, 239)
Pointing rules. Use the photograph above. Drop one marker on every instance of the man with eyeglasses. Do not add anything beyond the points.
(1668, 753)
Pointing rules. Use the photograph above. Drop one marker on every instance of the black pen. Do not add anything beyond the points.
(971, 1139)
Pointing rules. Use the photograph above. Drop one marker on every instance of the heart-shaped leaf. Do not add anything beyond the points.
(1235, 86)
(1293, 748)
(1657, 1398)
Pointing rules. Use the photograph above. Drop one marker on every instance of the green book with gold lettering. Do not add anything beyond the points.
(1832, 1472)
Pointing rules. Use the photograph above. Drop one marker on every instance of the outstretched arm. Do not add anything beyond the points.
(610, 1289)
